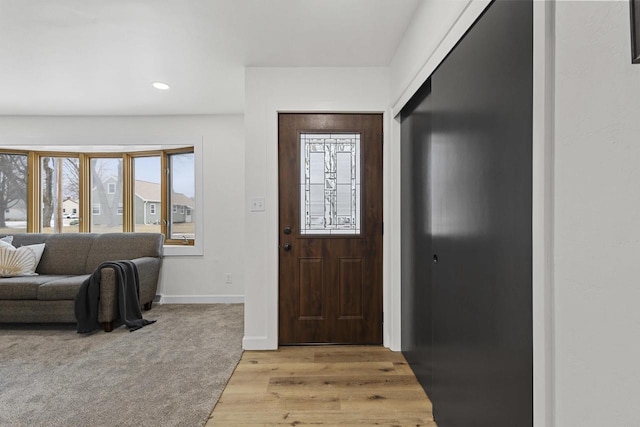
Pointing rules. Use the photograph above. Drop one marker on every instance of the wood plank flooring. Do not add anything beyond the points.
(323, 385)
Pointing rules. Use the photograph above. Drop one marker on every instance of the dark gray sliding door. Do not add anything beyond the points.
(417, 311)
(467, 319)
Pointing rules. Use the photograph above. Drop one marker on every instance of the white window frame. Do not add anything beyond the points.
(95, 209)
(182, 209)
(119, 209)
(152, 208)
(109, 188)
(174, 208)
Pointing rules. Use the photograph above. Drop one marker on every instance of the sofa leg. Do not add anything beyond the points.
(147, 306)
(108, 326)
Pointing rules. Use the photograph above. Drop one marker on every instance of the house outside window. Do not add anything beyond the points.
(95, 209)
(119, 209)
(111, 188)
(152, 208)
(174, 209)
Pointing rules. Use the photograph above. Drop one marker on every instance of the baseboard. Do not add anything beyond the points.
(257, 343)
(201, 299)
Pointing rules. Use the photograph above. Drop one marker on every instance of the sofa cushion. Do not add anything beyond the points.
(25, 287)
(20, 261)
(63, 288)
(66, 254)
(119, 246)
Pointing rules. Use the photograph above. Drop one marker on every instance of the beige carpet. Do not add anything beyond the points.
(170, 373)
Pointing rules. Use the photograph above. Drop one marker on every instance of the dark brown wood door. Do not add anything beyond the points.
(330, 228)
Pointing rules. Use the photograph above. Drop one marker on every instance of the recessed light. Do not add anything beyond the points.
(160, 86)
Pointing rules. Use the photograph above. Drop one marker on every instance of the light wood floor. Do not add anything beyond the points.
(323, 385)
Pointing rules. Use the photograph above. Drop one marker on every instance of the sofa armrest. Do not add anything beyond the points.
(148, 271)
(108, 303)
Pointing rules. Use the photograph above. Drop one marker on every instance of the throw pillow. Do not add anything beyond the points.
(22, 261)
(6, 241)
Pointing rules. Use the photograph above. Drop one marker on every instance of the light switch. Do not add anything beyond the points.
(256, 204)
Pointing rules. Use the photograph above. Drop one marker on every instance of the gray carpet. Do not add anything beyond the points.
(170, 373)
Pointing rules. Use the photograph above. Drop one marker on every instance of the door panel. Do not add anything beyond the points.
(330, 267)
(481, 223)
(417, 251)
(311, 289)
(469, 168)
(351, 289)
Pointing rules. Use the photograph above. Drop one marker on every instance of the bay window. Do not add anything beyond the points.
(70, 192)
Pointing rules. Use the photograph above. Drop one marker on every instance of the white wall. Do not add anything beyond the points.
(597, 217)
(435, 28)
(269, 91)
(183, 278)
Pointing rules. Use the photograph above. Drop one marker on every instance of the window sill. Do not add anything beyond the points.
(178, 250)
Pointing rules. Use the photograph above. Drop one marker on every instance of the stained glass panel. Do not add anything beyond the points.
(330, 183)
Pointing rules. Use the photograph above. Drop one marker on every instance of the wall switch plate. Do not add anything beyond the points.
(256, 204)
(227, 278)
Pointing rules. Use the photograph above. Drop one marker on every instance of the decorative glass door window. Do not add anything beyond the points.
(330, 183)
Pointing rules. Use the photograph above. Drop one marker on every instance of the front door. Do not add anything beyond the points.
(330, 235)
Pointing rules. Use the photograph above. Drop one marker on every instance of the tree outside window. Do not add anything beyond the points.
(106, 174)
(59, 186)
(13, 193)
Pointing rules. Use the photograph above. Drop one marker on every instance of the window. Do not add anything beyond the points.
(59, 192)
(13, 197)
(330, 184)
(108, 191)
(182, 193)
(147, 193)
(106, 174)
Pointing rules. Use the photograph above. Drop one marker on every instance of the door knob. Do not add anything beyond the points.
(435, 258)
(287, 246)
(287, 230)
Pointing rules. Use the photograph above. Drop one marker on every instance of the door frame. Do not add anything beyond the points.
(390, 239)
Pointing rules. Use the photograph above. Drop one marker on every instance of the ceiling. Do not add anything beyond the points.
(97, 57)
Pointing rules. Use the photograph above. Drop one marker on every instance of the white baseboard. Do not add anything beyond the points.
(257, 343)
(201, 299)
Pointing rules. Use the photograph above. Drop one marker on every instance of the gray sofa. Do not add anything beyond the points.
(69, 259)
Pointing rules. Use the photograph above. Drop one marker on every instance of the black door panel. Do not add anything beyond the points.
(475, 180)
